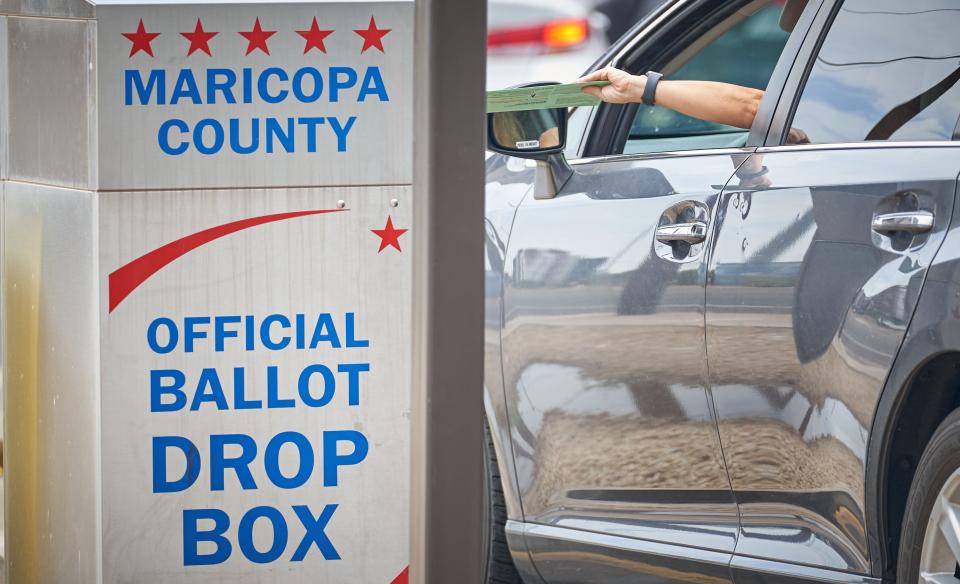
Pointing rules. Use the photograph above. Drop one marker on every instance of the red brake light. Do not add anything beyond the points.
(565, 33)
(556, 34)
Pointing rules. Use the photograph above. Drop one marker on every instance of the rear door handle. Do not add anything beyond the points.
(904, 222)
(693, 232)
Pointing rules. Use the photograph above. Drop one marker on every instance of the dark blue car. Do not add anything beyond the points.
(718, 355)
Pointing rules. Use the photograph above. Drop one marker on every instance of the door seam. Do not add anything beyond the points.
(708, 384)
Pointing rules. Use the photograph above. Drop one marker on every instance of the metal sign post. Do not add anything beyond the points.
(448, 292)
(210, 228)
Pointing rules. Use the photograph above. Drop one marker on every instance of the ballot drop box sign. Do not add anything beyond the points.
(253, 216)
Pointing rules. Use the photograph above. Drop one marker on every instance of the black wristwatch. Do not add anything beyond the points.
(752, 175)
(650, 88)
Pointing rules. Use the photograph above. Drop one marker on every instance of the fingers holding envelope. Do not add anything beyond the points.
(623, 88)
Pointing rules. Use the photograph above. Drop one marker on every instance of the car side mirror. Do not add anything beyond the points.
(527, 134)
(540, 135)
(532, 134)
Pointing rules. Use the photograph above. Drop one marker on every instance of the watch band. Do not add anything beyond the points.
(650, 88)
(752, 175)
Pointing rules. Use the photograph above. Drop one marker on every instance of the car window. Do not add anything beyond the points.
(887, 70)
(745, 54)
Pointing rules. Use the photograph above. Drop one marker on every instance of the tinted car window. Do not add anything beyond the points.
(746, 54)
(887, 70)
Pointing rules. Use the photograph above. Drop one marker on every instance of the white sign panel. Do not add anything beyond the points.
(255, 291)
(255, 390)
(255, 94)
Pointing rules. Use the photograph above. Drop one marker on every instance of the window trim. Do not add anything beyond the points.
(609, 121)
(659, 155)
(800, 72)
(613, 57)
(793, 52)
(628, 113)
(873, 144)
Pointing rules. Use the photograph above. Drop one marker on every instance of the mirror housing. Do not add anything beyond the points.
(532, 134)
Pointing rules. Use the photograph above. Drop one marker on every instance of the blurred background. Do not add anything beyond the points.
(557, 40)
(553, 40)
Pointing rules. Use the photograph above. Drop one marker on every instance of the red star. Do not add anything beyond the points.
(199, 39)
(372, 36)
(141, 40)
(389, 236)
(314, 37)
(257, 38)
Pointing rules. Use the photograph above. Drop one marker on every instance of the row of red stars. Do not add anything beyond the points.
(256, 38)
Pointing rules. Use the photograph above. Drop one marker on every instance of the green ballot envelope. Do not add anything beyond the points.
(542, 97)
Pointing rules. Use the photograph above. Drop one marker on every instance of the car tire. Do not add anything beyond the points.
(936, 481)
(498, 565)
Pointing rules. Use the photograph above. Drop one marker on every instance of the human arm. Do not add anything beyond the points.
(723, 103)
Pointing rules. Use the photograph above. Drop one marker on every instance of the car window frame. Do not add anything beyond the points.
(767, 121)
(605, 118)
(776, 136)
(797, 77)
(608, 124)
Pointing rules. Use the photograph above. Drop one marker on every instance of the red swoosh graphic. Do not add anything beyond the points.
(403, 577)
(126, 278)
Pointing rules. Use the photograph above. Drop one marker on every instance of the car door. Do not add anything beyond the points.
(817, 261)
(616, 447)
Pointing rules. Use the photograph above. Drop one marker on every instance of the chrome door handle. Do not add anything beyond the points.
(694, 232)
(907, 222)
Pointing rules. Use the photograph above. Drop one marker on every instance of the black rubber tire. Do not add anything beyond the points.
(940, 459)
(498, 566)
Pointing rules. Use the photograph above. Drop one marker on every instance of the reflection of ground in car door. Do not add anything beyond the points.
(603, 349)
(808, 287)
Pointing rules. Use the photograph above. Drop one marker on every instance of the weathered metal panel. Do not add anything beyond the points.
(51, 101)
(4, 89)
(51, 8)
(51, 408)
(3, 345)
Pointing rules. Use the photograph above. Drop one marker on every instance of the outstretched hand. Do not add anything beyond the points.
(623, 88)
(713, 101)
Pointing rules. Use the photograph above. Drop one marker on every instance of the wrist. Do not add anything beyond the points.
(650, 84)
(637, 85)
